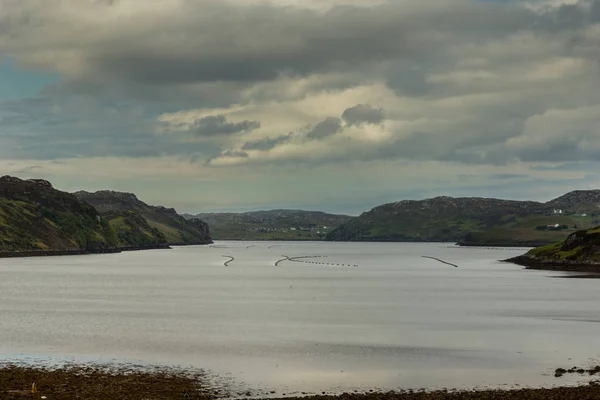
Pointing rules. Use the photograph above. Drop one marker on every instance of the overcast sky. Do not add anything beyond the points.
(338, 105)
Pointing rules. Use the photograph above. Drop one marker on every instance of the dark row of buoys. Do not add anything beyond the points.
(488, 248)
(442, 261)
(300, 260)
(230, 260)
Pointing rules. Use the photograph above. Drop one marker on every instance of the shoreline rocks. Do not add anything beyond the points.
(533, 262)
(77, 252)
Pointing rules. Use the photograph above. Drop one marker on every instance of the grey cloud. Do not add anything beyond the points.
(234, 154)
(217, 125)
(266, 143)
(223, 154)
(595, 11)
(363, 113)
(213, 42)
(212, 55)
(17, 119)
(29, 169)
(567, 16)
(570, 16)
(69, 127)
(408, 81)
(508, 176)
(328, 127)
(568, 166)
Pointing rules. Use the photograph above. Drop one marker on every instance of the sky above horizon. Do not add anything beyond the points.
(333, 105)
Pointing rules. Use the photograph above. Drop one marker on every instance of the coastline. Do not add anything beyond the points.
(532, 262)
(78, 252)
(503, 244)
(47, 253)
(131, 382)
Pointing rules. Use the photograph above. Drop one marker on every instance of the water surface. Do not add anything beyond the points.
(395, 320)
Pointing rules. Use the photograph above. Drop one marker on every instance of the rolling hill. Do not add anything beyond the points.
(34, 217)
(475, 221)
(138, 223)
(271, 225)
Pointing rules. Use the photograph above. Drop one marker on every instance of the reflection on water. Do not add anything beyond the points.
(396, 320)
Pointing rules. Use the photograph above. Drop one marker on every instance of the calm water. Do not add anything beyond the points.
(396, 320)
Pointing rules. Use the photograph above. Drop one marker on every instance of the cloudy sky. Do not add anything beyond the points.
(338, 105)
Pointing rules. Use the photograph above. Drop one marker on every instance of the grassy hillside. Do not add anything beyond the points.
(271, 225)
(35, 216)
(580, 249)
(133, 230)
(137, 222)
(477, 221)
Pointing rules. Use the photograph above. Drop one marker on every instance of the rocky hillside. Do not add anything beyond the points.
(580, 251)
(476, 221)
(136, 222)
(271, 225)
(578, 201)
(35, 216)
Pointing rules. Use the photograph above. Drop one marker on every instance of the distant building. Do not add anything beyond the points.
(584, 215)
(559, 211)
(292, 229)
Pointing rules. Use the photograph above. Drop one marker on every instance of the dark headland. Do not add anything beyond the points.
(38, 220)
(579, 252)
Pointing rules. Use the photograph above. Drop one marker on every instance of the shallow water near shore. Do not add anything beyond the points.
(378, 316)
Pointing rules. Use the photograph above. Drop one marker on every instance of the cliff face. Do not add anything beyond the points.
(200, 226)
(137, 222)
(35, 216)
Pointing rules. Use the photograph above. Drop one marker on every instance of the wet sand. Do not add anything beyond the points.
(131, 383)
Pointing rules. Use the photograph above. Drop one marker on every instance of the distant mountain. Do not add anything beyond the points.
(136, 222)
(475, 221)
(271, 225)
(35, 216)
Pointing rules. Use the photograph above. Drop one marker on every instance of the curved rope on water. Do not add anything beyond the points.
(227, 262)
(282, 260)
(442, 261)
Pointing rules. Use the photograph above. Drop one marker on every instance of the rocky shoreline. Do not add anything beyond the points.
(197, 243)
(71, 382)
(502, 244)
(533, 262)
(77, 252)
